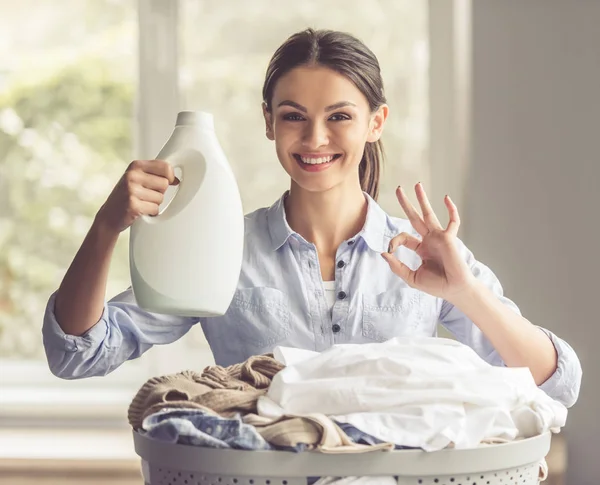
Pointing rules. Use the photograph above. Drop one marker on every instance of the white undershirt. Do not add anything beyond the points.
(329, 293)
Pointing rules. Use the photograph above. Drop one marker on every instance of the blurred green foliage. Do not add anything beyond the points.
(64, 142)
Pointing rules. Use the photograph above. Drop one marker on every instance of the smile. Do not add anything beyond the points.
(315, 163)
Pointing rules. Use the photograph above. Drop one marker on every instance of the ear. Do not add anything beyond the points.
(377, 123)
(268, 122)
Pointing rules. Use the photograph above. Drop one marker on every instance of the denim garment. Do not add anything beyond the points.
(197, 428)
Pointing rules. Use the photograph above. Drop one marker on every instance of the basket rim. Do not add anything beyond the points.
(484, 459)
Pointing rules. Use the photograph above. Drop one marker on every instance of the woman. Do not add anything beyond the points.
(324, 264)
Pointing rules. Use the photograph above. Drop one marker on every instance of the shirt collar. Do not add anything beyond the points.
(279, 228)
(376, 232)
(378, 229)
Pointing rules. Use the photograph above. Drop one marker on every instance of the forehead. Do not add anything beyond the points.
(315, 87)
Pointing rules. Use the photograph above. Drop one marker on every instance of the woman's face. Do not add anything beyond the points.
(320, 122)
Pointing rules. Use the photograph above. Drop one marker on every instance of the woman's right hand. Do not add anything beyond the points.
(140, 191)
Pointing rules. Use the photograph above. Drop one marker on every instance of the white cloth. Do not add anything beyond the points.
(417, 391)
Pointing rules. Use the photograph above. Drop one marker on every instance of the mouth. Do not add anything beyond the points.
(316, 164)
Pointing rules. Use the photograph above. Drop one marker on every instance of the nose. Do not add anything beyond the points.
(315, 135)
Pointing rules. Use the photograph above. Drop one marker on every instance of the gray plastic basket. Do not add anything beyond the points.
(515, 463)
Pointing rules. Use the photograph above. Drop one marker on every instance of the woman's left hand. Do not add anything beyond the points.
(443, 272)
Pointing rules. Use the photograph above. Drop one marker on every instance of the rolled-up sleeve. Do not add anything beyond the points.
(563, 385)
(124, 332)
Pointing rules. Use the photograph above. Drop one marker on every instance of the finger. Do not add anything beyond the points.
(154, 182)
(148, 195)
(149, 208)
(411, 212)
(400, 269)
(429, 216)
(161, 168)
(142, 207)
(404, 239)
(454, 222)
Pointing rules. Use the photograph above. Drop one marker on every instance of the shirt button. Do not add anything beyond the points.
(350, 243)
(336, 328)
(341, 264)
(342, 295)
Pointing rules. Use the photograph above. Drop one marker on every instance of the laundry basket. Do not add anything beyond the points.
(514, 463)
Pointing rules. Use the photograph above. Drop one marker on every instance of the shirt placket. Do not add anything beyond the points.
(340, 329)
(317, 305)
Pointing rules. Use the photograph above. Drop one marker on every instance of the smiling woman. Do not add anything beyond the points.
(327, 132)
(326, 231)
(322, 135)
(341, 78)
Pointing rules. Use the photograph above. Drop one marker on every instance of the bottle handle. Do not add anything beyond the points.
(189, 166)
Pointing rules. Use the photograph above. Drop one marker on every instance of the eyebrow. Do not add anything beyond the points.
(299, 107)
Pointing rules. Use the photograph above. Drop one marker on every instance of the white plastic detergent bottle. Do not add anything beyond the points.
(187, 259)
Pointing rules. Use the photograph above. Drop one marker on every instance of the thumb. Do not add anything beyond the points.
(171, 177)
(399, 268)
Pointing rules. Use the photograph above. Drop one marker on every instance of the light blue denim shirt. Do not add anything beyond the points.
(280, 300)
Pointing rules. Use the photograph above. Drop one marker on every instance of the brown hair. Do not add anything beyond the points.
(347, 55)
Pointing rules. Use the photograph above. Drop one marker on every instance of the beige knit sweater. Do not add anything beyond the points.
(222, 390)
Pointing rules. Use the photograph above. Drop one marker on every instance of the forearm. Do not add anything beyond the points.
(80, 297)
(517, 341)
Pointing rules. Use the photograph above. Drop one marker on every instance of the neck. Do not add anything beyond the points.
(326, 218)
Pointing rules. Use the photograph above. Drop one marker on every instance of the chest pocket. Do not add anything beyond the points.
(261, 318)
(392, 313)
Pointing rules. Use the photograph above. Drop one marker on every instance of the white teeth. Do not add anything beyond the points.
(316, 161)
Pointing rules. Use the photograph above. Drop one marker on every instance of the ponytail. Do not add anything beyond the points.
(370, 167)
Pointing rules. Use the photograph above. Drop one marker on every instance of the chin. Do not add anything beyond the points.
(315, 184)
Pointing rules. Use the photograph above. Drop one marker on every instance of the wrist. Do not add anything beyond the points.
(101, 230)
(469, 293)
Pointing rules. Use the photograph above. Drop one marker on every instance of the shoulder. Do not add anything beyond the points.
(256, 219)
(256, 227)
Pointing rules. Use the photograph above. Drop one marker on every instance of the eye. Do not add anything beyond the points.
(292, 117)
(340, 117)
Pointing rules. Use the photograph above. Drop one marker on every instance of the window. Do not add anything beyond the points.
(68, 79)
(69, 89)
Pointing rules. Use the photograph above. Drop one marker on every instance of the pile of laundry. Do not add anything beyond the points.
(415, 392)
(218, 408)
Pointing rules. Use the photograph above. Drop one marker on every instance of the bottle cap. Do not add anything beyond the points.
(201, 119)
